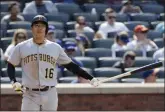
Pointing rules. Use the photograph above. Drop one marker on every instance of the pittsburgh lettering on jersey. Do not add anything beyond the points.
(42, 57)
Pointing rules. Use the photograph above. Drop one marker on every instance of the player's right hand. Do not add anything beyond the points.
(17, 87)
(95, 82)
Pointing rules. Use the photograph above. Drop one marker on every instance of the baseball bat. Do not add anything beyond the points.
(143, 68)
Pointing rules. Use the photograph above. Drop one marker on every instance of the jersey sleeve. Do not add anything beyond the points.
(63, 58)
(15, 56)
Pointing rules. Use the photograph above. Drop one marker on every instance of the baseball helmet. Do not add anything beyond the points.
(40, 18)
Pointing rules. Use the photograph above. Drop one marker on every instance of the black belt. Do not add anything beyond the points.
(46, 88)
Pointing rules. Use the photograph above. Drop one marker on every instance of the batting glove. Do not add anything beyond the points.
(95, 82)
(17, 87)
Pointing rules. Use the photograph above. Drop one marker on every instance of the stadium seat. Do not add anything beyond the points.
(132, 80)
(104, 43)
(152, 8)
(154, 23)
(28, 17)
(6, 42)
(135, 75)
(60, 34)
(100, 8)
(162, 18)
(10, 33)
(161, 73)
(57, 25)
(68, 8)
(154, 34)
(160, 80)
(5, 80)
(4, 5)
(159, 42)
(67, 79)
(70, 74)
(116, 7)
(3, 63)
(107, 61)
(142, 61)
(18, 72)
(106, 72)
(88, 62)
(60, 17)
(20, 24)
(121, 53)
(97, 24)
(89, 17)
(143, 17)
(119, 17)
(132, 24)
(113, 81)
(98, 52)
(150, 53)
(72, 33)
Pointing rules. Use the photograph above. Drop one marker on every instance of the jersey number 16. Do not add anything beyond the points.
(49, 73)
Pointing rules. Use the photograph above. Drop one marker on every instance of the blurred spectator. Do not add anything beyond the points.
(20, 35)
(83, 43)
(2, 54)
(81, 25)
(51, 33)
(141, 42)
(128, 7)
(158, 54)
(150, 75)
(113, 1)
(40, 7)
(13, 15)
(121, 41)
(80, 80)
(110, 25)
(160, 27)
(127, 62)
(64, 1)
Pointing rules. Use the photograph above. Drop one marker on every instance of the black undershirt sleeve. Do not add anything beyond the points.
(11, 72)
(77, 70)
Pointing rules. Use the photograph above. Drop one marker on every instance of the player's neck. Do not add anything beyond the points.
(39, 40)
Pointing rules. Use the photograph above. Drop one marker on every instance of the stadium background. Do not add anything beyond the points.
(64, 24)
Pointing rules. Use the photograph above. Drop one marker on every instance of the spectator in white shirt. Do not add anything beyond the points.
(158, 54)
(20, 35)
(141, 42)
(110, 25)
(40, 7)
(13, 15)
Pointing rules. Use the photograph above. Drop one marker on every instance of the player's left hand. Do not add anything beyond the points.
(17, 87)
(95, 82)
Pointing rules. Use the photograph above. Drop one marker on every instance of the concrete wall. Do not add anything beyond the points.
(83, 97)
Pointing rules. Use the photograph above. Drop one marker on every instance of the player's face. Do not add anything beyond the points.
(39, 29)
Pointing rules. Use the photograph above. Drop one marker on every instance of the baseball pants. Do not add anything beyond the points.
(34, 100)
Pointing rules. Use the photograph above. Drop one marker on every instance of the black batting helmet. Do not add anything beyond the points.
(40, 18)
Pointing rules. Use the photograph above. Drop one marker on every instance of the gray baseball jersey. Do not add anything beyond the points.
(38, 62)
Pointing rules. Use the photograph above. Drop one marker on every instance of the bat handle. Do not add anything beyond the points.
(115, 77)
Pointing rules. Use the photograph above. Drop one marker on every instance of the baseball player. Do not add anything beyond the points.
(38, 57)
